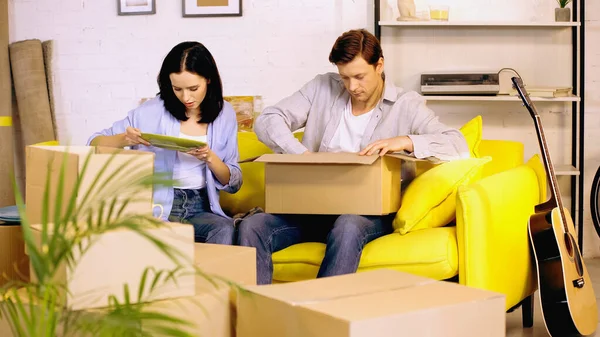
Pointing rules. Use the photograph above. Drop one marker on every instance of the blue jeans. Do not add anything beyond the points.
(192, 207)
(344, 235)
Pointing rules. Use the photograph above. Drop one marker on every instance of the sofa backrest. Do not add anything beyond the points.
(506, 154)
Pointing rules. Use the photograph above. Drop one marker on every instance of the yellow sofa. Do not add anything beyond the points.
(485, 247)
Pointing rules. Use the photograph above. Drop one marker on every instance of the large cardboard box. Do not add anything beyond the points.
(120, 257)
(209, 312)
(104, 162)
(333, 183)
(14, 263)
(231, 263)
(370, 304)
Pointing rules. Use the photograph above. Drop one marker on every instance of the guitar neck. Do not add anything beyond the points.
(555, 198)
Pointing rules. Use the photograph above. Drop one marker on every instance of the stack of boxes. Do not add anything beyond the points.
(375, 303)
(120, 257)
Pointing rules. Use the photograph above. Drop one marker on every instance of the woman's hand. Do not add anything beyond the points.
(203, 153)
(133, 136)
(214, 163)
(396, 144)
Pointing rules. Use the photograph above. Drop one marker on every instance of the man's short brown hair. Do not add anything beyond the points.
(353, 43)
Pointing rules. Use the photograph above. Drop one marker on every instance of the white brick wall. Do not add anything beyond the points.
(105, 63)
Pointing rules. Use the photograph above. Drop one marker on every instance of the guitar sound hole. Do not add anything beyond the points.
(568, 244)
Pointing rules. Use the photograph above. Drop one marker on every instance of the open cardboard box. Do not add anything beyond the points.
(120, 257)
(48, 160)
(370, 304)
(334, 183)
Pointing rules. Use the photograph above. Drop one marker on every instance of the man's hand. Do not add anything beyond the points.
(396, 144)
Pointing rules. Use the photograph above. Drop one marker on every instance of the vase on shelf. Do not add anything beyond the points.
(407, 10)
(562, 14)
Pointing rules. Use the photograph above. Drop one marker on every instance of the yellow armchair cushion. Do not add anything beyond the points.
(491, 221)
(506, 154)
(429, 201)
(439, 260)
(252, 193)
(472, 131)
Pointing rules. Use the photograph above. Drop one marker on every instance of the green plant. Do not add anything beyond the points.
(36, 308)
(563, 3)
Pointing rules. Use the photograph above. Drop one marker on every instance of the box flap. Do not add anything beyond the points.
(319, 158)
(398, 301)
(329, 288)
(167, 226)
(411, 157)
(78, 150)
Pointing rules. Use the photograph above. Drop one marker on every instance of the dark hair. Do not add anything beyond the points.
(353, 43)
(195, 58)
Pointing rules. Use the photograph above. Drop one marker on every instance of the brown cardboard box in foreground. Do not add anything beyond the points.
(370, 304)
(232, 263)
(223, 263)
(333, 183)
(209, 313)
(14, 263)
(41, 159)
(120, 257)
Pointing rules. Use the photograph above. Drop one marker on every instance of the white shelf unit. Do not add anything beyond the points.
(418, 36)
(389, 23)
(499, 98)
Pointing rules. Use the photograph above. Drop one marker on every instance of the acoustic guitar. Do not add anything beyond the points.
(566, 294)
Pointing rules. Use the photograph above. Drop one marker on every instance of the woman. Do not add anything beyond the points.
(189, 105)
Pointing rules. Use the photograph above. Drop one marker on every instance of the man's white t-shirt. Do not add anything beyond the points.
(349, 133)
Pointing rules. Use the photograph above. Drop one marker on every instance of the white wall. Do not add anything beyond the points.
(105, 63)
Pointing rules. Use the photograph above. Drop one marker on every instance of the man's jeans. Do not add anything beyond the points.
(345, 236)
(192, 207)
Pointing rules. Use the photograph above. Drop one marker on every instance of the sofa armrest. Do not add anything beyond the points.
(493, 243)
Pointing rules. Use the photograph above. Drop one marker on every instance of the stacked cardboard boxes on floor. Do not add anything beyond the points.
(120, 257)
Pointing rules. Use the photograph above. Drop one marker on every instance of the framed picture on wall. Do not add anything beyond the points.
(136, 7)
(196, 8)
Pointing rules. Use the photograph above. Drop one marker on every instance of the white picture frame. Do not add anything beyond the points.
(208, 8)
(136, 7)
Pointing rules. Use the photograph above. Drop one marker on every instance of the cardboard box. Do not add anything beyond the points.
(209, 312)
(232, 263)
(43, 161)
(120, 257)
(370, 304)
(14, 263)
(332, 183)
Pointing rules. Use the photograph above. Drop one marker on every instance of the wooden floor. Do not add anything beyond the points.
(514, 325)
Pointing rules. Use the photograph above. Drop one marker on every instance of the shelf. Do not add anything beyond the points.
(505, 98)
(549, 24)
(565, 170)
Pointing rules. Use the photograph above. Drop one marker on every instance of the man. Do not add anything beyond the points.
(353, 111)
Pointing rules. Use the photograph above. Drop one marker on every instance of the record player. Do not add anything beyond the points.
(460, 83)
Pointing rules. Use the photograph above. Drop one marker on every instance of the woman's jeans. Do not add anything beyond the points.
(192, 207)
